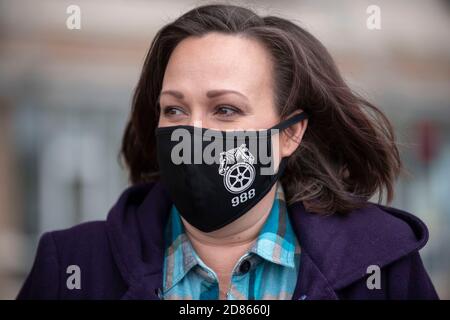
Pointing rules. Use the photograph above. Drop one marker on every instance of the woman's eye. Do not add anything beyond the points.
(227, 111)
(173, 111)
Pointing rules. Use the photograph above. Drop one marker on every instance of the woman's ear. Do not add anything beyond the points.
(291, 137)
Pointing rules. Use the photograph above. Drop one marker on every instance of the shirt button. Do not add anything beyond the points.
(245, 266)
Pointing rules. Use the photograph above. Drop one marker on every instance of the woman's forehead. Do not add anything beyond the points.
(219, 60)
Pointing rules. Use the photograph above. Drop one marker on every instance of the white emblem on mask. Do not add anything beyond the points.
(236, 167)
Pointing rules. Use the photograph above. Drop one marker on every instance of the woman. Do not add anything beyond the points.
(293, 222)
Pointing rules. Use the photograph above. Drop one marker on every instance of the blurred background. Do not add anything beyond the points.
(65, 97)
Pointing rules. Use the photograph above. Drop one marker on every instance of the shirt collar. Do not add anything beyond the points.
(180, 256)
(276, 242)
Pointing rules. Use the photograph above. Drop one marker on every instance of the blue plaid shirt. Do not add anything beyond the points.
(268, 270)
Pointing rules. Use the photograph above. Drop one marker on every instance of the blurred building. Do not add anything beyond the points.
(65, 97)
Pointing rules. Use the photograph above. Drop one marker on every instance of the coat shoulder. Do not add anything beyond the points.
(83, 243)
(87, 233)
(343, 246)
(82, 250)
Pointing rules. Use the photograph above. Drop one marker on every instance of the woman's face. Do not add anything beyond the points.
(219, 82)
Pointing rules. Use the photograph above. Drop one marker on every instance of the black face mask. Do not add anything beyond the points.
(215, 177)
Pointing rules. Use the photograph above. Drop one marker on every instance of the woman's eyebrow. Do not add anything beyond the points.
(174, 93)
(215, 93)
(210, 94)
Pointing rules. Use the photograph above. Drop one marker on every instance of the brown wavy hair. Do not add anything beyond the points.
(348, 152)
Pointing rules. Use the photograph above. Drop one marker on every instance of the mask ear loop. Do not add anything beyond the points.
(284, 125)
(289, 122)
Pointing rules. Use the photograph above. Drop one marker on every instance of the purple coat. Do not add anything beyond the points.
(122, 257)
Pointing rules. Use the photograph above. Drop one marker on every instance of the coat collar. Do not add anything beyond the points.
(341, 247)
(135, 230)
(336, 249)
